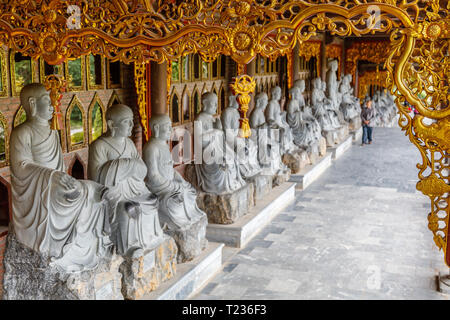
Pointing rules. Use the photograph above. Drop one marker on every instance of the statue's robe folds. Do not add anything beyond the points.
(177, 198)
(73, 232)
(274, 118)
(123, 172)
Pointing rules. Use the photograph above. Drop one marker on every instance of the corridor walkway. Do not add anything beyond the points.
(358, 232)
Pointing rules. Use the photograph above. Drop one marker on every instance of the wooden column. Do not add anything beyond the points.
(158, 88)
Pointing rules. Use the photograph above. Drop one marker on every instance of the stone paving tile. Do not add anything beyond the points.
(358, 232)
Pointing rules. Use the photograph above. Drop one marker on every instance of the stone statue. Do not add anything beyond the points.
(335, 114)
(178, 209)
(269, 153)
(54, 214)
(303, 131)
(350, 106)
(115, 163)
(320, 111)
(246, 149)
(275, 119)
(331, 83)
(218, 173)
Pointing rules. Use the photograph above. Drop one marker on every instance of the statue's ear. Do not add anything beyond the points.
(110, 124)
(32, 104)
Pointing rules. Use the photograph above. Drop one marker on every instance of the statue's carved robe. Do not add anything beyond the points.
(123, 172)
(177, 197)
(219, 171)
(74, 232)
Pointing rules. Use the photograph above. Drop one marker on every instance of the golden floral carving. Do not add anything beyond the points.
(242, 87)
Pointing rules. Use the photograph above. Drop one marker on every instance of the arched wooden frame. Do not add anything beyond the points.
(96, 99)
(4, 124)
(199, 95)
(71, 87)
(110, 85)
(187, 75)
(12, 71)
(72, 162)
(114, 97)
(76, 102)
(4, 90)
(186, 97)
(311, 49)
(172, 96)
(216, 92)
(42, 74)
(20, 111)
(178, 62)
(88, 73)
(222, 103)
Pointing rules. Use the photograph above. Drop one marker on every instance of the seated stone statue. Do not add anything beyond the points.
(332, 83)
(246, 149)
(269, 153)
(218, 172)
(115, 163)
(323, 115)
(274, 119)
(333, 110)
(303, 131)
(307, 113)
(350, 106)
(54, 214)
(178, 209)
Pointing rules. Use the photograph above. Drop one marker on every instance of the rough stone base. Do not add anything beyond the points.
(226, 208)
(279, 179)
(322, 146)
(331, 137)
(354, 124)
(191, 241)
(357, 135)
(343, 133)
(28, 276)
(311, 172)
(262, 185)
(144, 274)
(296, 161)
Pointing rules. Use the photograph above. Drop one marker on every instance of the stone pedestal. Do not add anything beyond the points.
(28, 276)
(354, 124)
(144, 274)
(357, 135)
(262, 185)
(331, 137)
(240, 233)
(280, 178)
(322, 146)
(309, 174)
(226, 208)
(190, 241)
(340, 149)
(296, 161)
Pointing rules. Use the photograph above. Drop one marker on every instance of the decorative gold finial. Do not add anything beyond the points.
(242, 87)
(56, 85)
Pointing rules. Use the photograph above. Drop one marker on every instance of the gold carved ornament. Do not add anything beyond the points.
(243, 87)
(56, 85)
(372, 51)
(139, 31)
(311, 49)
(140, 80)
(370, 78)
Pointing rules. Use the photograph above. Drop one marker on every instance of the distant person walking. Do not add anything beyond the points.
(367, 116)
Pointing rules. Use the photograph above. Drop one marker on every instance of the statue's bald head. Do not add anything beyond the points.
(232, 101)
(209, 102)
(158, 119)
(119, 112)
(32, 90)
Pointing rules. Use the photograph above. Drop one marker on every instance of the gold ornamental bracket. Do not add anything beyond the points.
(56, 84)
(243, 87)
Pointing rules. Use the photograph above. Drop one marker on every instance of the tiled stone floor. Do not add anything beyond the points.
(358, 232)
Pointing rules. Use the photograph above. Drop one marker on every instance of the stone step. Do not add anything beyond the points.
(340, 149)
(311, 172)
(191, 276)
(246, 227)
